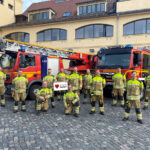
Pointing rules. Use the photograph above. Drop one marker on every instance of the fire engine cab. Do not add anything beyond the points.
(127, 58)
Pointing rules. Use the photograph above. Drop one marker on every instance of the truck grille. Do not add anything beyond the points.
(107, 75)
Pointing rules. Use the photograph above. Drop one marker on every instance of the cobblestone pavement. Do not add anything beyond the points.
(55, 131)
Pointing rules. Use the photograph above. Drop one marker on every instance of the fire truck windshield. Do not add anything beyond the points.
(8, 60)
(111, 61)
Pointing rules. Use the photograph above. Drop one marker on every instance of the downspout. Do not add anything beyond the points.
(117, 36)
(15, 10)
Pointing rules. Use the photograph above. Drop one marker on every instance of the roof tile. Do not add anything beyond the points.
(58, 7)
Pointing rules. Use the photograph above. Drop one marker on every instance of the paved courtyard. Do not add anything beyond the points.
(55, 131)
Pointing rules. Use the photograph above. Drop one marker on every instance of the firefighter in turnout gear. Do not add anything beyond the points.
(75, 80)
(147, 94)
(118, 87)
(67, 74)
(134, 89)
(97, 85)
(61, 77)
(2, 87)
(87, 85)
(71, 100)
(20, 83)
(50, 79)
(43, 95)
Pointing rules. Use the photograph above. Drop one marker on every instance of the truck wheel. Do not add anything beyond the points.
(32, 91)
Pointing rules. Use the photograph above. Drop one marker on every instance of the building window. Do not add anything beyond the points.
(140, 26)
(19, 36)
(98, 30)
(88, 31)
(93, 8)
(102, 7)
(1, 2)
(84, 10)
(40, 36)
(137, 27)
(94, 30)
(90, 9)
(55, 35)
(66, 14)
(39, 16)
(10, 6)
(148, 26)
(80, 10)
(128, 28)
(109, 31)
(62, 34)
(52, 35)
(80, 33)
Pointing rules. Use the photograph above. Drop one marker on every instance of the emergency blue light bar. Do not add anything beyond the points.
(129, 46)
(22, 48)
(102, 48)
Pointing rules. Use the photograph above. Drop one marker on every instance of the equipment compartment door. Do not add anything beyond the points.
(53, 63)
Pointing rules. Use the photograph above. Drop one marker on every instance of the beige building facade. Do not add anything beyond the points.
(128, 23)
(8, 10)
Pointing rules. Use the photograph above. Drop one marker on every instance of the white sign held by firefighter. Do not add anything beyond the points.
(60, 86)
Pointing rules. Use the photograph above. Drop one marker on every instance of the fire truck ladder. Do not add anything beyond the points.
(10, 45)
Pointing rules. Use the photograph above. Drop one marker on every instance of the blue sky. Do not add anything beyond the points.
(27, 3)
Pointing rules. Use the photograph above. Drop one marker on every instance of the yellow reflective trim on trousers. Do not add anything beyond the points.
(23, 107)
(101, 109)
(147, 89)
(84, 100)
(77, 109)
(139, 116)
(58, 96)
(133, 97)
(92, 108)
(146, 104)
(98, 92)
(114, 101)
(126, 115)
(53, 103)
(15, 107)
(122, 102)
(38, 107)
(65, 104)
(3, 101)
(2, 85)
(118, 87)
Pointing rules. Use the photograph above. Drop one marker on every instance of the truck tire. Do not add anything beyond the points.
(32, 91)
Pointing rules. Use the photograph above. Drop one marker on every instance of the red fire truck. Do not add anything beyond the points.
(127, 58)
(82, 61)
(33, 60)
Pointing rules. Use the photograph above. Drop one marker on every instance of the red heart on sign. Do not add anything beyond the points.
(57, 85)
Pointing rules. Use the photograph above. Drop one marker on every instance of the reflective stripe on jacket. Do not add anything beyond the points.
(134, 89)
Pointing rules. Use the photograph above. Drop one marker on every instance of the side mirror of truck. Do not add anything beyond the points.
(22, 61)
